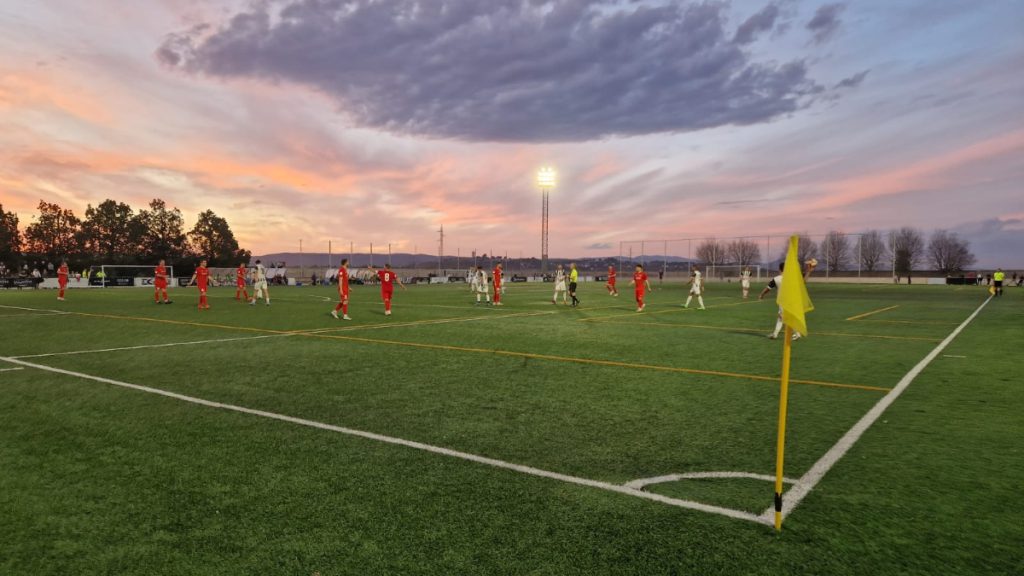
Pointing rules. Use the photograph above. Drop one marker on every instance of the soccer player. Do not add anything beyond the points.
(201, 278)
(480, 285)
(342, 291)
(573, 277)
(640, 282)
(745, 281)
(611, 282)
(997, 281)
(559, 285)
(62, 279)
(696, 285)
(160, 282)
(776, 283)
(259, 284)
(496, 277)
(388, 278)
(240, 273)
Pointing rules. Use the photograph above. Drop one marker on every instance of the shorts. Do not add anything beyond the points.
(997, 283)
(387, 294)
(745, 283)
(482, 288)
(695, 291)
(560, 286)
(344, 294)
(611, 281)
(202, 288)
(572, 286)
(161, 284)
(62, 283)
(240, 283)
(259, 285)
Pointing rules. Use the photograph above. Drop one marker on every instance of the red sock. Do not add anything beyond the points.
(344, 309)
(61, 291)
(246, 294)
(156, 295)
(165, 296)
(387, 305)
(339, 306)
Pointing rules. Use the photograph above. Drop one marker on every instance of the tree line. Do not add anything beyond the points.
(114, 233)
(944, 251)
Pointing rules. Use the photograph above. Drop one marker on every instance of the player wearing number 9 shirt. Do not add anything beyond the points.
(388, 278)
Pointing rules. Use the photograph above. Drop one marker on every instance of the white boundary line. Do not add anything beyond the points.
(807, 482)
(529, 470)
(12, 369)
(144, 346)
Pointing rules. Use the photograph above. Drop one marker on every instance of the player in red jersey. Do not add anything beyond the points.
(496, 277)
(240, 274)
(201, 278)
(62, 279)
(160, 283)
(388, 278)
(610, 285)
(640, 281)
(342, 291)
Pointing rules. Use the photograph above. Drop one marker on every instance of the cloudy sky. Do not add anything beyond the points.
(380, 120)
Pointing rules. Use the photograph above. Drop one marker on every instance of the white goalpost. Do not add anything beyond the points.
(731, 272)
(126, 275)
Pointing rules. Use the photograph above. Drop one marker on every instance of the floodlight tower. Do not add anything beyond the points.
(545, 181)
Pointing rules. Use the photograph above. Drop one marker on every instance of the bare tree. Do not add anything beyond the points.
(948, 253)
(743, 251)
(836, 247)
(805, 249)
(711, 252)
(907, 245)
(872, 250)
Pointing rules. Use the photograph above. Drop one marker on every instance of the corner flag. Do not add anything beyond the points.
(794, 303)
(793, 299)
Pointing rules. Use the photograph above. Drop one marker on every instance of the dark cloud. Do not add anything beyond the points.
(507, 70)
(825, 22)
(996, 241)
(852, 81)
(763, 21)
(599, 246)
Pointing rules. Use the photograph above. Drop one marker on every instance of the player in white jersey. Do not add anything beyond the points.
(696, 285)
(480, 285)
(259, 284)
(745, 281)
(776, 283)
(560, 286)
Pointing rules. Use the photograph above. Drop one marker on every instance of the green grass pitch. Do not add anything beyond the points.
(96, 478)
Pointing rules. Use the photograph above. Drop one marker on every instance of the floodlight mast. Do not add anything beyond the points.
(546, 178)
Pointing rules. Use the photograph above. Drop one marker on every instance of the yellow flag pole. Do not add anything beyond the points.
(787, 348)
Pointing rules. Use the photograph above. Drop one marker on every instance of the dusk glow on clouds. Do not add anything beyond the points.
(358, 121)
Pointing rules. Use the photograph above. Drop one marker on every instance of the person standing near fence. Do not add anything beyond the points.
(496, 277)
(745, 281)
(240, 273)
(342, 291)
(201, 278)
(611, 282)
(160, 282)
(640, 283)
(696, 284)
(62, 279)
(574, 276)
(259, 284)
(997, 281)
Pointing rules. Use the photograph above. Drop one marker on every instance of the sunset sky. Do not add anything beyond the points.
(378, 121)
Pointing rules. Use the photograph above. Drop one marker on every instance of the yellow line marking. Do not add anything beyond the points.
(873, 312)
(420, 322)
(757, 331)
(495, 352)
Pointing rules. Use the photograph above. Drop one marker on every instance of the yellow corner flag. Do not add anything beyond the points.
(794, 303)
(793, 299)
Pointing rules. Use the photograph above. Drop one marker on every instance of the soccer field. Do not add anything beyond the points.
(530, 438)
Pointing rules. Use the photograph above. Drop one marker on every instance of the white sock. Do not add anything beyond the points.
(700, 300)
(778, 326)
(688, 298)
